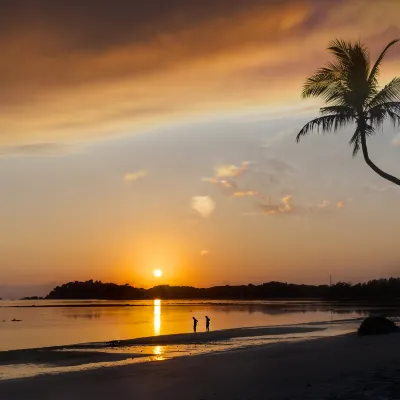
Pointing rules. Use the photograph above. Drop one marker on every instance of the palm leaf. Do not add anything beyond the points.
(325, 123)
(378, 114)
(337, 110)
(373, 76)
(390, 93)
(319, 82)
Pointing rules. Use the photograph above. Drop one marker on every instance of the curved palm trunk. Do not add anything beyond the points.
(381, 173)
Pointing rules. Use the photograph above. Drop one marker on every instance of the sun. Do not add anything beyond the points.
(157, 273)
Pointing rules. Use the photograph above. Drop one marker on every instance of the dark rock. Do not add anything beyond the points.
(376, 326)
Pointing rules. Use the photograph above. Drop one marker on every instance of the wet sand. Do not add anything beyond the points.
(341, 367)
(106, 352)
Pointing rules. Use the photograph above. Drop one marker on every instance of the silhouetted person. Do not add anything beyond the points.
(195, 324)
(207, 324)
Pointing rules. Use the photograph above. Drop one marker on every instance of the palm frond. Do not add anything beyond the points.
(325, 123)
(394, 117)
(379, 113)
(373, 75)
(390, 93)
(337, 110)
(319, 82)
(340, 49)
(355, 140)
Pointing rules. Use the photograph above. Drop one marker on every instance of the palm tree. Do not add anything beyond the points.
(349, 87)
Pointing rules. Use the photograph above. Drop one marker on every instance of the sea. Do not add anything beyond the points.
(28, 324)
(51, 337)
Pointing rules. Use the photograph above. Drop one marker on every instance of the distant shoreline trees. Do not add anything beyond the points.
(379, 289)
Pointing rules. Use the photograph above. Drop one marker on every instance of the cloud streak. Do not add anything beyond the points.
(134, 176)
(110, 70)
(37, 149)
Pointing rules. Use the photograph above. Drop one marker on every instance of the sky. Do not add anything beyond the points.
(142, 135)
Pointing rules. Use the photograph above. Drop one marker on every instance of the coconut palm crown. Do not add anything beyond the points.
(349, 87)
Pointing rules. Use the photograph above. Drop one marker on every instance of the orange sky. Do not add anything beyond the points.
(139, 135)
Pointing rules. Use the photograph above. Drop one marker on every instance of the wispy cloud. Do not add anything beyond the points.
(223, 182)
(340, 204)
(247, 193)
(102, 83)
(134, 176)
(204, 253)
(204, 205)
(276, 169)
(230, 170)
(284, 208)
(225, 175)
(37, 149)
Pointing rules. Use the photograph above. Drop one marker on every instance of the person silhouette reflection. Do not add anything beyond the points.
(207, 324)
(195, 324)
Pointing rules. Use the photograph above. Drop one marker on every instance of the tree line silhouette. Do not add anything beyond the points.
(378, 289)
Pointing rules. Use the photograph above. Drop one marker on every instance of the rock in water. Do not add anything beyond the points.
(376, 326)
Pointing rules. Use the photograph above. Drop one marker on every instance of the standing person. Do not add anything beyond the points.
(195, 324)
(207, 324)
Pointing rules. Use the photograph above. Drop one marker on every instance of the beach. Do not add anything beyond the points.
(340, 367)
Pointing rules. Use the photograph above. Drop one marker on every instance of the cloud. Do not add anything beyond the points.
(134, 176)
(204, 253)
(225, 175)
(223, 182)
(284, 208)
(230, 170)
(37, 149)
(204, 205)
(111, 70)
(248, 193)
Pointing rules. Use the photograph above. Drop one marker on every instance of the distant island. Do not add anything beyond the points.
(379, 289)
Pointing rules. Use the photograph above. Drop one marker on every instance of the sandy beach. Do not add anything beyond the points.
(341, 367)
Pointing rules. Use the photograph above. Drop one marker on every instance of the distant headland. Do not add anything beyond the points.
(379, 289)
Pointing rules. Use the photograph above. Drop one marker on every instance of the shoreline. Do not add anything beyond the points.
(30, 362)
(49, 354)
(346, 366)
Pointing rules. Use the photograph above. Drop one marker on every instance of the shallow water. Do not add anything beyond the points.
(29, 363)
(54, 323)
(59, 323)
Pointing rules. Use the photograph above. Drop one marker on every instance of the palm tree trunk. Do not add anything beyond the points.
(381, 173)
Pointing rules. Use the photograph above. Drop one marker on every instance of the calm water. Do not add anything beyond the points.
(61, 323)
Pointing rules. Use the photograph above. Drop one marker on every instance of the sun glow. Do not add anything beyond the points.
(157, 273)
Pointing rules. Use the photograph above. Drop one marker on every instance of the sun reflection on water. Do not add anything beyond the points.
(157, 317)
(158, 352)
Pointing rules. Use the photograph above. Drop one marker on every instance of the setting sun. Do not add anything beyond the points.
(157, 273)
